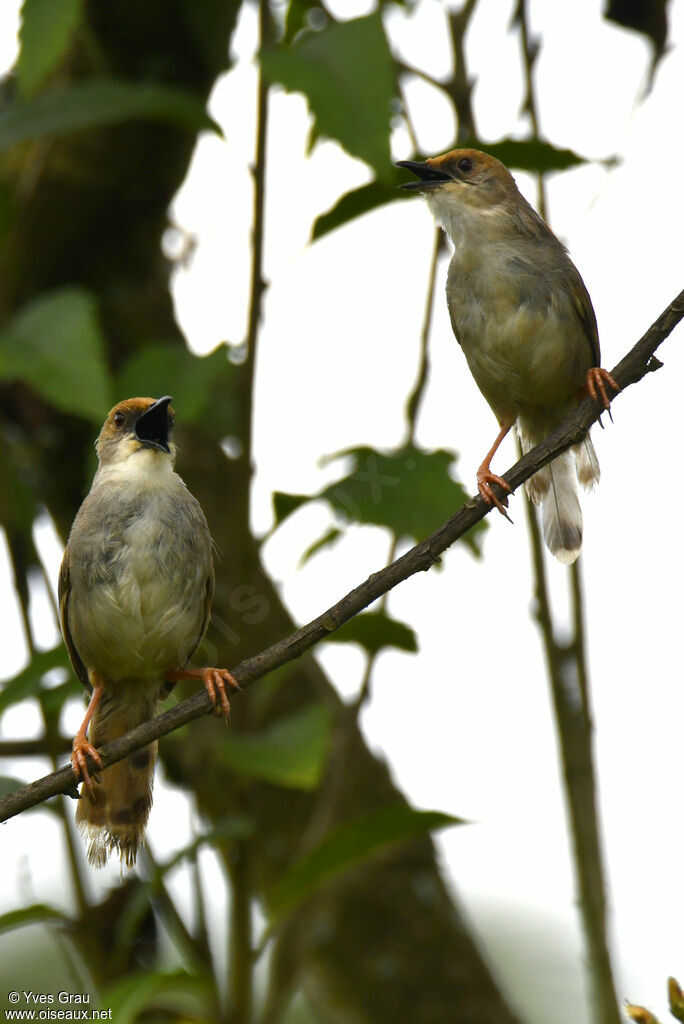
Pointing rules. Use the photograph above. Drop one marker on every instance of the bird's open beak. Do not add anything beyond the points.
(152, 427)
(429, 175)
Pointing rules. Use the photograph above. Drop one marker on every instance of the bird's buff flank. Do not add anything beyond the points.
(524, 319)
(135, 592)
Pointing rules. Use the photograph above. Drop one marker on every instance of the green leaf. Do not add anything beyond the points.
(374, 631)
(325, 541)
(297, 17)
(47, 28)
(210, 25)
(532, 155)
(197, 383)
(99, 102)
(409, 491)
(53, 698)
(285, 504)
(289, 753)
(174, 995)
(37, 913)
(233, 827)
(357, 202)
(8, 784)
(55, 344)
(29, 682)
(350, 845)
(347, 74)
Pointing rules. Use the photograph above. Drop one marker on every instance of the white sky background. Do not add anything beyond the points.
(466, 723)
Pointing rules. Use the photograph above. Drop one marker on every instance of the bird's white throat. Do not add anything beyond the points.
(146, 468)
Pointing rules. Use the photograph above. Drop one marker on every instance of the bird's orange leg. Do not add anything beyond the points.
(597, 378)
(485, 477)
(81, 748)
(214, 679)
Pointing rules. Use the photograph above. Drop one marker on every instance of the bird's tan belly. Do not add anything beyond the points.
(529, 363)
(129, 631)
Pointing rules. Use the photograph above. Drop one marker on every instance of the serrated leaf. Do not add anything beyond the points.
(55, 344)
(290, 753)
(407, 490)
(162, 368)
(99, 102)
(29, 682)
(347, 74)
(350, 845)
(374, 631)
(47, 28)
(37, 913)
(356, 203)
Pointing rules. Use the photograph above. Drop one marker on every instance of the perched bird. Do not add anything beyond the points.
(135, 590)
(524, 319)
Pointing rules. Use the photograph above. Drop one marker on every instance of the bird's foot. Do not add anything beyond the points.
(597, 379)
(485, 479)
(80, 750)
(215, 681)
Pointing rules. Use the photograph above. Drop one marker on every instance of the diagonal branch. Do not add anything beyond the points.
(632, 368)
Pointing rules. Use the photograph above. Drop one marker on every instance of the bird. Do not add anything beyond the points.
(135, 590)
(526, 324)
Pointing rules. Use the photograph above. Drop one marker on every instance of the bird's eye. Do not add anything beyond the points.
(465, 164)
(119, 419)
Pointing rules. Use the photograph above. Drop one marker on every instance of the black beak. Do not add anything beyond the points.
(152, 427)
(428, 175)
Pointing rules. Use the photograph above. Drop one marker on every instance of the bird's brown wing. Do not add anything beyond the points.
(585, 311)
(208, 595)
(64, 592)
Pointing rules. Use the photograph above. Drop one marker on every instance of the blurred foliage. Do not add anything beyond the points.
(646, 16)
(47, 28)
(200, 385)
(409, 491)
(97, 103)
(55, 344)
(343, 68)
(72, 339)
(348, 847)
(375, 632)
(676, 999)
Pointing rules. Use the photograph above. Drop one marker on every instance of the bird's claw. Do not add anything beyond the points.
(597, 378)
(485, 478)
(216, 679)
(81, 749)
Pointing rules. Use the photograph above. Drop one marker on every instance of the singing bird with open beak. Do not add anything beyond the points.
(135, 590)
(525, 322)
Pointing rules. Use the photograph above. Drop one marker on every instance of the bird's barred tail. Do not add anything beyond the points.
(555, 489)
(114, 817)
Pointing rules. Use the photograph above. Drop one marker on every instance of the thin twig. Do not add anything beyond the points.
(416, 397)
(530, 50)
(460, 88)
(638, 362)
(566, 667)
(569, 679)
